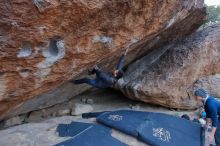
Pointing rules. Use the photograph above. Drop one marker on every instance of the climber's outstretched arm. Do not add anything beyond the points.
(121, 62)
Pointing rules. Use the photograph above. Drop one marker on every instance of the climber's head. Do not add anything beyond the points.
(201, 94)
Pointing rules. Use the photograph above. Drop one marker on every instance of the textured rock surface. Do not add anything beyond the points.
(79, 109)
(44, 43)
(171, 79)
(210, 83)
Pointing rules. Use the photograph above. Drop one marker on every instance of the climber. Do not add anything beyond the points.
(212, 109)
(104, 79)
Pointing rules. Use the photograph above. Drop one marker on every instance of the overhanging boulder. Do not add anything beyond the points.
(45, 43)
(171, 80)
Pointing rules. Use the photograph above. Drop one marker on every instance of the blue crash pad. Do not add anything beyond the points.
(156, 129)
(87, 134)
(72, 129)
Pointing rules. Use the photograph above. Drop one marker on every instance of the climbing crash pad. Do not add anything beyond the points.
(155, 129)
(87, 134)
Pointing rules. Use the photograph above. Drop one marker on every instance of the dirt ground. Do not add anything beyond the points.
(42, 124)
(94, 100)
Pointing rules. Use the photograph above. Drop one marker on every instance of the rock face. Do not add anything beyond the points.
(45, 43)
(211, 83)
(170, 80)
